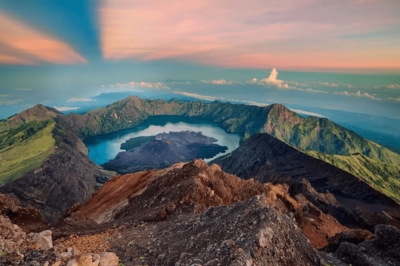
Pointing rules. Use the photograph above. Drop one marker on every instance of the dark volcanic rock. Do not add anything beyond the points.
(185, 190)
(351, 253)
(384, 249)
(64, 178)
(354, 236)
(247, 233)
(268, 159)
(164, 150)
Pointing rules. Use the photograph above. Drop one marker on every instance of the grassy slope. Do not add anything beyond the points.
(384, 177)
(26, 154)
(26, 139)
(323, 135)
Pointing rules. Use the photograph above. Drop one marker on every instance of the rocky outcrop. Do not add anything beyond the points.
(104, 259)
(384, 249)
(246, 233)
(12, 237)
(42, 240)
(356, 237)
(267, 159)
(64, 178)
(146, 197)
(29, 218)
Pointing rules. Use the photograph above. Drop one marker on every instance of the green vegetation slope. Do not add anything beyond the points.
(26, 140)
(384, 177)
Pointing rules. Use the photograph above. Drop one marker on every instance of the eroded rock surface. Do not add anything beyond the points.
(246, 233)
(268, 159)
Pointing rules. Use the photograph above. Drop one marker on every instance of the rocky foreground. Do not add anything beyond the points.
(195, 214)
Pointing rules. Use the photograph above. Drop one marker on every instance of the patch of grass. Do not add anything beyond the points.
(27, 154)
(382, 176)
(3, 253)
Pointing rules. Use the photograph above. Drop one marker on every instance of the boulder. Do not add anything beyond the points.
(351, 254)
(43, 240)
(108, 259)
(83, 260)
(356, 237)
(12, 238)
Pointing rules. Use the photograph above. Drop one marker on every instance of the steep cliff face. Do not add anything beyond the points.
(267, 159)
(64, 178)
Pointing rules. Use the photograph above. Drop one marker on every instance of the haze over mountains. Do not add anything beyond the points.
(310, 167)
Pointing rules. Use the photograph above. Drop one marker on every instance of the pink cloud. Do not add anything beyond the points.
(35, 44)
(237, 34)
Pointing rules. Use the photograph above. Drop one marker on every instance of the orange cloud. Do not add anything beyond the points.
(34, 44)
(13, 60)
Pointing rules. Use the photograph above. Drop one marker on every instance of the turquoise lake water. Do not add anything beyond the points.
(103, 148)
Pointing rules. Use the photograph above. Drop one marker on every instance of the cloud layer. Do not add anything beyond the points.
(149, 85)
(198, 96)
(359, 94)
(252, 34)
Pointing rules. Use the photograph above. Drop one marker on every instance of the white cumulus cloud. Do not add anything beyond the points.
(359, 94)
(272, 79)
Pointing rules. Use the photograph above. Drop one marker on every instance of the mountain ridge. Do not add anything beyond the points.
(245, 120)
(311, 133)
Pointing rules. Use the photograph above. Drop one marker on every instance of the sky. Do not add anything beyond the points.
(342, 54)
